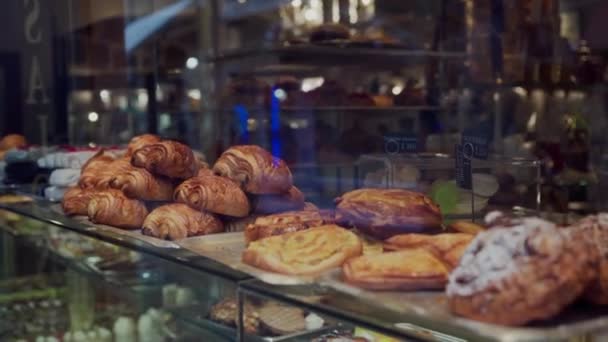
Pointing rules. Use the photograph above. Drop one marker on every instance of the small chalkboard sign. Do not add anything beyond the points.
(400, 143)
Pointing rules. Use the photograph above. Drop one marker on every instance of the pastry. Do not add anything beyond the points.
(448, 247)
(167, 158)
(113, 208)
(140, 141)
(329, 32)
(76, 201)
(99, 175)
(226, 312)
(287, 222)
(99, 159)
(383, 213)
(466, 227)
(524, 269)
(307, 252)
(178, 221)
(139, 183)
(12, 141)
(268, 204)
(310, 206)
(408, 269)
(281, 319)
(255, 169)
(594, 229)
(213, 193)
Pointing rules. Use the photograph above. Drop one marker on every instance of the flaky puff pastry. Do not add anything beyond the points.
(214, 194)
(382, 213)
(447, 247)
(178, 221)
(287, 222)
(76, 200)
(139, 183)
(255, 169)
(113, 208)
(167, 158)
(307, 252)
(98, 175)
(410, 269)
(140, 141)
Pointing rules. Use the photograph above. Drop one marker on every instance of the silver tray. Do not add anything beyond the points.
(576, 322)
(227, 249)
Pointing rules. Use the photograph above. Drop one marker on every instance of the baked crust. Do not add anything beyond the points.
(139, 183)
(408, 269)
(523, 271)
(214, 194)
(167, 158)
(287, 222)
(466, 227)
(76, 200)
(113, 208)
(99, 173)
(383, 213)
(178, 221)
(255, 169)
(449, 247)
(140, 141)
(308, 252)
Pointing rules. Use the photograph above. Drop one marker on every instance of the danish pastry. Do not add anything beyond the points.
(138, 183)
(113, 208)
(447, 247)
(178, 221)
(76, 200)
(213, 193)
(140, 141)
(167, 158)
(287, 222)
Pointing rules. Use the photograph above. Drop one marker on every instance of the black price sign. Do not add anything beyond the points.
(463, 154)
(396, 144)
(478, 146)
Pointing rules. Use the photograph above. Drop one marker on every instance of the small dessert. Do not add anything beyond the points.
(226, 312)
(307, 252)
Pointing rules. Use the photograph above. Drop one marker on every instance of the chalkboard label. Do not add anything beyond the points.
(397, 144)
(462, 159)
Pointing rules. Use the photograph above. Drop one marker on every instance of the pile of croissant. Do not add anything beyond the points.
(164, 189)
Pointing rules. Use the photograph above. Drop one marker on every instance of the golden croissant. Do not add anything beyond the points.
(113, 208)
(213, 193)
(76, 200)
(138, 183)
(255, 169)
(99, 175)
(140, 141)
(178, 221)
(167, 158)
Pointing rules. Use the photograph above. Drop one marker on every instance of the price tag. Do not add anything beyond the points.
(397, 144)
(479, 146)
(463, 154)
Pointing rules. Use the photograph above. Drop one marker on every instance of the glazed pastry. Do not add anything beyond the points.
(520, 271)
(138, 183)
(213, 193)
(594, 229)
(287, 222)
(178, 221)
(167, 158)
(383, 213)
(307, 252)
(255, 169)
(140, 141)
(226, 312)
(76, 201)
(268, 204)
(113, 208)
(408, 269)
(447, 247)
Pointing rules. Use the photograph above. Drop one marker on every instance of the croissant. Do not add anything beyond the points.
(178, 221)
(138, 183)
(113, 208)
(99, 159)
(76, 200)
(269, 204)
(167, 158)
(213, 193)
(255, 169)
(99, 175)
(140, 141)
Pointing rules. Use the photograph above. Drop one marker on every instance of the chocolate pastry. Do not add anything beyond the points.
(178, 221)
(76, 200)
(269, 204)
(214, 194)
(99, 174)
(255, 169)
(140, 141)
(382, 213)
(167, 158)
(291, 221)
(113, 208)
(139, 183)
(523, 271)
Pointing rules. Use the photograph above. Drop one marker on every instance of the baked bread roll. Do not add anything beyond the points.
(382, 213)
(287, 222)
(409, 269)
(76, 200)
(448, 247)
(178, 221)
(214, 194)
(255, 169)
(98, 175)
(140, 141)
(11, 141)
(113, 208)
(138, 183)
(307, 252)
(167, 158)
(522, 271)
(269, 204)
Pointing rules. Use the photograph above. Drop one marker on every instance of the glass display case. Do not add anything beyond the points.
(303, 170)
